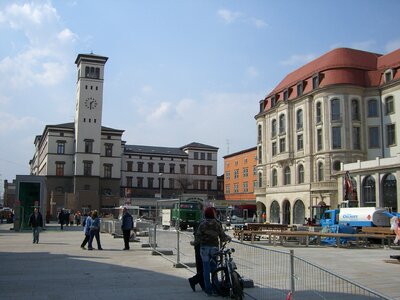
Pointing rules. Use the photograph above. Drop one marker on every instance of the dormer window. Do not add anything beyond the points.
(300, 88)
(286, 95)
(315, 81)
(262, 105)
(388, 75)
(273, 101)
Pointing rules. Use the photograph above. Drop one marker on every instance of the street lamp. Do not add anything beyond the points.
(160, 174)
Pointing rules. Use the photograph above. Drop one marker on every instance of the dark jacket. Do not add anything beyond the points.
(209, 233)
(127, 221)
(36, 222)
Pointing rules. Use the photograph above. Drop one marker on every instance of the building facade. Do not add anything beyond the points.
(339, 109)
(240, 175)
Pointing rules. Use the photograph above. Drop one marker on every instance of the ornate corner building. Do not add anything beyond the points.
(339, 110)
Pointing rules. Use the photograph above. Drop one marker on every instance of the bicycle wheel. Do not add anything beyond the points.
(220, 281)
(237, 286)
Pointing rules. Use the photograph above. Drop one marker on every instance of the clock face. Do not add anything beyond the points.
(90, 103)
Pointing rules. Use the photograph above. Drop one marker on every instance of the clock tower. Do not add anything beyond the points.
(88, 114)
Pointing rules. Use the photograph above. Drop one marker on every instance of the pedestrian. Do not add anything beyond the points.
(36, 222)
(61, 218)
(198, 278)
(209, 235)
(66, 217)
(86, 230)
(94, 231)
(126, 226)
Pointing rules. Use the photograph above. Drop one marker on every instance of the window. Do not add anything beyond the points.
(260, 154)
(389, 105)
(107, 171)
(300, 174)
(299, 119)
(355, 110)
(273, 101)
(388, 76)
(236, 174)
(260, 180)
(318, 114)
(356, 138)
(315, 81)
(228, 174)
(319, 139)
(139, 182)
(196, 155)
(60, 168)
(245, 187)
(202, 170)
(282, 145)
(129, 181)
(335, 110)
(209, 170)
(336, 165)
(140, 166)
(274, 150)
(245, 172)
(129, 166)
(236, 188)
(150, 182)
(373, 135)
(203, 155)
(87, 168)
(259, 134)
(320, 171)
(171, 183)
(88, 146)
(369, 192)
(109, 149)
(299, 89)
(150, 167)
(274, 177)
(172, 168)
(196, 169)
(161, 167)
(92, 72)
(209, 156)
(60, 147)
(390, 135)
(285, 95)
(182, 169)
(336, 138)
(372, 108)
(273, 128)
(299, 142)
(287, 176)
(282, 124)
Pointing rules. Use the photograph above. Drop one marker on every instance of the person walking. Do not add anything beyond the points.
(198, 278)
(61, 218)
(126, 226)
(36, 221)
(94, 231)
(86, 230)
(209, 235)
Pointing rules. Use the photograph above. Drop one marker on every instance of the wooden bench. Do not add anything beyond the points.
(378, 230)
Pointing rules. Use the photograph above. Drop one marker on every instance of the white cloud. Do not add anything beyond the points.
(259, 23)
(11, 123)
(392, 45)
(160, 112)
(228, 16)
(66, 35)
(298, 59)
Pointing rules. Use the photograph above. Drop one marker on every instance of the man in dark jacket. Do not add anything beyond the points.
(36, 221)
(126, 226)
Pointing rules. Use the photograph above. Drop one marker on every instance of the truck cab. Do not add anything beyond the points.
(330, 217)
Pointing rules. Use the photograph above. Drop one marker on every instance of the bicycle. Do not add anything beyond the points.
(226, 280)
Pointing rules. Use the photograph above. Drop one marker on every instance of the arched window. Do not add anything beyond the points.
(389, 191)
(273, 128)
(335, 110)
(287, 176)
(274, 212)
(274, 177)
(320, 171)
(318, 115)
(369, 191)
(300, 174)
(389, 105)
(372, 108)
(299, 119)
(299, 212)
(282, 124)
(355, 110)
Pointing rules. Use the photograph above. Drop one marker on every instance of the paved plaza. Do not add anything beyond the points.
(57, 268)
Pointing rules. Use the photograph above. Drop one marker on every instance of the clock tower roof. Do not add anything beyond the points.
(92, 58)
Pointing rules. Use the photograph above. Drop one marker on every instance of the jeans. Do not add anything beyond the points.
(209, 265)
(94, 233)
(35, 231)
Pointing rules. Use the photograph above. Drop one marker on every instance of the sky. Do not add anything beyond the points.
(179, 71)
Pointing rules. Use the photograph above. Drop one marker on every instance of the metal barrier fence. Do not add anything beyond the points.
(275, 273)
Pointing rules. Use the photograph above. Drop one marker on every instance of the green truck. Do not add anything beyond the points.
(186, 214)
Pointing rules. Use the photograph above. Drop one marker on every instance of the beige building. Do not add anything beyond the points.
(337, 110)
